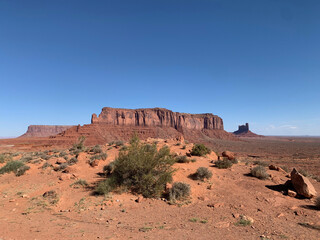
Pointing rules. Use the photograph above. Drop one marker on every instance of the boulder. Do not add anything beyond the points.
(302, 185)
(228, 154)
(292, 193)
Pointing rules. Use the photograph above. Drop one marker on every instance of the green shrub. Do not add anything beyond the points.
(11, 166)
(79, 183)
(202, 173)
(193, 160)
(26, 158)
(123, 148)
(141, 169)
(200, 150)
(79, 146)
(61, 167)
(5, 157)
(96, 149)
(318, 203)
(178, 144)
(72, 161)
(118, 143)
(46, 165)
(108, 169)
(102, 156)
(261, 163)
(179, 191)
(223, 164)
(259, 172)
(184, 147)
(182, 159)
(21, 170)
(63, 154)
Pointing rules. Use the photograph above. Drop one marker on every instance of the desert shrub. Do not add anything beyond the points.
(96, 149)
(61, 167)
(102, 156)
(304, 172)
(141, 169)
(63, 154)
(202, 173)
(223, 164)
(179, 191)
(259, 172)
(46, 165)
(182, 159)
(118, 143)
(105, 187)
(260, 163)
(193, 160)
(51, 196)
(318, 203)
(11, 166)
(285, 168)
(124, 148)
(184, 147)
(72, 161)
(26, 158)
(21, 170)
(108, 169)
(79, 183)
(200, 150)
(5, 157)
(178, 144)
(79, 146)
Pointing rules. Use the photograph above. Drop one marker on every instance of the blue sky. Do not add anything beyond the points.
(246, 61)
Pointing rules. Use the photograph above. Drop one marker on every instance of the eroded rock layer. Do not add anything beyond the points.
(44, 130)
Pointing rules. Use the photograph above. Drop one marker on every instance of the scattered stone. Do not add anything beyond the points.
(246, 218)
(222, 224)
(280, 215)
(60, 161)
(215, 205)
(25, 196)
(66, 176)
(235, 215)
(292, 193)
(302, 184)
(139, 199)
(228, 154)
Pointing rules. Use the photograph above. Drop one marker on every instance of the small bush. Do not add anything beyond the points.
(96, 149)
(118, 143)
(285, 168)
(193, 160)
(318, 203)
(202, 173)
(179, 191)
(79, 183)
(178, 144)
(182, 159)
(21, 170)
(123, 148)
(61, 167)
(261, 163)
(5, 158)
(184, 147)
(200, 150)
(79, 146)
(11, 166)
(46, 165)
(102, 156)
(72, 161)
(243, 222)
(259, 172)
(63, 154)
(141, 169)
(108, 169)
(223, 164)
(26, 159)
(304, 172)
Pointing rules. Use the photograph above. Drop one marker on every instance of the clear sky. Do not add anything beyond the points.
(246, 61)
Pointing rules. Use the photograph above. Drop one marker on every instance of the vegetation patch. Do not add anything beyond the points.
(202, 173)
(182, 159)
(200, 150)
(259, 172)
(79, 183)
(223, 164)
(141, 169)
(179, 191)
(5, 157)
(18, 167)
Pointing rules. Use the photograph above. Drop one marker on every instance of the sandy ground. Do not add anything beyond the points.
(212, 213)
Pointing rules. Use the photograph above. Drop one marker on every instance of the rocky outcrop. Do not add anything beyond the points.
(44, 130)
(157, 117)
(302, 184)
(243, 131)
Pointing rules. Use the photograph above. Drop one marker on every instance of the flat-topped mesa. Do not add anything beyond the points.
(242, 129)
(157, 117)
(45, 130)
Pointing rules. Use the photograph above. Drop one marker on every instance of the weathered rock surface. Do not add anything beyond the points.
(45, 130)
(302, 185)
(157, 117)
(228, 154)
(243, 131)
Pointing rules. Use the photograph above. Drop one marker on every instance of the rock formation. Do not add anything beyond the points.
(157, 117)
(243, 131)
(121, 124)
(302, 184)
(44, 130)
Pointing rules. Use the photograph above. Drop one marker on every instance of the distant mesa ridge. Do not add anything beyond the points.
(45, 130)
(121, 124)
(157, 117)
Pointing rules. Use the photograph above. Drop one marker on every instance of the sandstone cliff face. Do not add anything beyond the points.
(44, 130)
(157, 117)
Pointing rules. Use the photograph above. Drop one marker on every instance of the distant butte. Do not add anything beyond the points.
(44, 130)
(243, 131)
